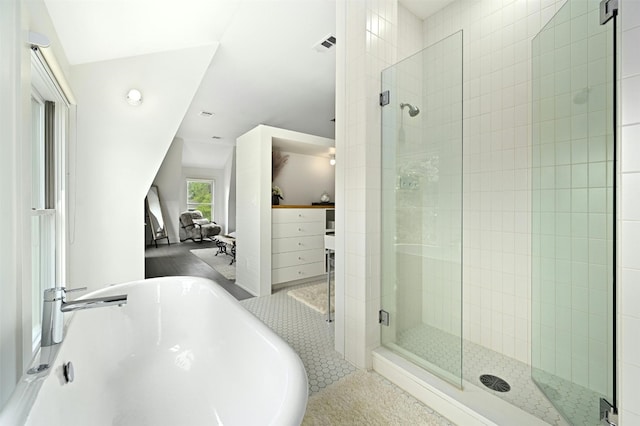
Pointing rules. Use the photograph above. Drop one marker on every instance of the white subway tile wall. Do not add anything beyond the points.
(497, 198)
(370, 46)
(571, 240)
(629, 217)
(497, 90)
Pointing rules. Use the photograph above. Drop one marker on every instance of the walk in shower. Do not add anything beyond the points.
(444, 306)
(422, 208)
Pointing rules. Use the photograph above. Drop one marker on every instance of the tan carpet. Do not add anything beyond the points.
(366, 398)
(220, 262)
(315, 296)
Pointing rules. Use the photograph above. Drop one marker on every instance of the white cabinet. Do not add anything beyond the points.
(297, 243)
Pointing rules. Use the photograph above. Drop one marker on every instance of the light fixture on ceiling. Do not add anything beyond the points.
(332, 160)
(134, 97)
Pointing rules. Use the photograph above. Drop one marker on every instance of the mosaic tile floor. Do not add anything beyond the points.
(431, 343)
(312, 338)
(307, 332)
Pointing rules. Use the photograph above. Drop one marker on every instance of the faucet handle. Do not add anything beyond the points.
(59, 293)
(70, 290)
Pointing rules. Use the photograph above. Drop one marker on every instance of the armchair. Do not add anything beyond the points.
(195, 227)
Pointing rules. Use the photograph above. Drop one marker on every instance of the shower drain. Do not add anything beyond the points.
(495, 383)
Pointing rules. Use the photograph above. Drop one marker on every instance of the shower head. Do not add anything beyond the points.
(413, 111)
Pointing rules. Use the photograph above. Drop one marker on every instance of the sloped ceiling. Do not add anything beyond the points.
(117, 150)
(264, 72)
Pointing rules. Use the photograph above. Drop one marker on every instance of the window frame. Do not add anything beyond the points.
(193, 206)
(48, 237)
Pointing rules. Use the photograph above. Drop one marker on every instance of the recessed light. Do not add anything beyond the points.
(134, 97)
(205, 114)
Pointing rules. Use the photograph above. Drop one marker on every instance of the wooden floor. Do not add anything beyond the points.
(176, 259)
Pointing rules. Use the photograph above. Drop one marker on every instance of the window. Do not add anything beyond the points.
(200, 196)
(49, 111)
(42, 215)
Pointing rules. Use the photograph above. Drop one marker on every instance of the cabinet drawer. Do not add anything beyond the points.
(283, 260)
(283, 245)
(281, 275)
(284, 230)
(297, 215)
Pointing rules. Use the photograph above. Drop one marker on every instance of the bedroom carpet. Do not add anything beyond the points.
(315, 295)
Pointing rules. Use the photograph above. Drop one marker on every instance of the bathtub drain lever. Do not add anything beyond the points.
(67, 371)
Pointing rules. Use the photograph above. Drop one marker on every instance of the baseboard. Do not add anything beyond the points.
(471, 406)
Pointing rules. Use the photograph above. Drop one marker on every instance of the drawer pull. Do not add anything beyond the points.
(299, 258)
(299, 244)
(299, 229)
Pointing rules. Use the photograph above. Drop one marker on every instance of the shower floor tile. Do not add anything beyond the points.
(432, 344)
(307, 332)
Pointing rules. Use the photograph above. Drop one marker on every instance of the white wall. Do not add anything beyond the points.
(253, 211)
(304, 178)
(629, 216)
(168, 180)
(10, 213)
(230, 192)
(119, 150)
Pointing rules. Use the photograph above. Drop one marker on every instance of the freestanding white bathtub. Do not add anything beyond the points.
(182, 351)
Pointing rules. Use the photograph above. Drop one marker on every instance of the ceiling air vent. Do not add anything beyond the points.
(325, 44)
(205, 114)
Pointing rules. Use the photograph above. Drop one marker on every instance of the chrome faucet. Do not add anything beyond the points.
(55, 304)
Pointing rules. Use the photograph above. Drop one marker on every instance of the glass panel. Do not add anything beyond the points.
(422, 208)
(42, 221)
(572, 211)
(37, 155)
(42, 264)
(200, 196)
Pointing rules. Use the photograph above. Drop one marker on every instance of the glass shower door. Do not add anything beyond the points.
(422, 208)
(573, 212)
